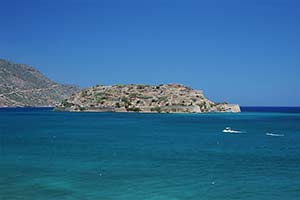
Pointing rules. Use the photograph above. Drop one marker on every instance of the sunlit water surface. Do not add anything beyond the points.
(106, 156)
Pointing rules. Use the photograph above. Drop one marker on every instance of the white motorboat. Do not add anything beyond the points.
(229, 130)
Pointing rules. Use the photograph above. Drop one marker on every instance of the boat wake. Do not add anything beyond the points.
(275, 134)
(229, 130)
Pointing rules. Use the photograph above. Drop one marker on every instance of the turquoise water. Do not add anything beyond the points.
(106, 156)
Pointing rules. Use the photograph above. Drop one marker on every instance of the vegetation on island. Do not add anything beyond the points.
(164, 98)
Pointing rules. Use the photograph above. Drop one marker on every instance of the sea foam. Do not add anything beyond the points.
(275, 134)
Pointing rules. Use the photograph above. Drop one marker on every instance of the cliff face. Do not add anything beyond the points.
(165, 98)
(21, 85)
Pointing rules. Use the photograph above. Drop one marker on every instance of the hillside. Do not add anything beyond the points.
(167, 98)
(21, 85)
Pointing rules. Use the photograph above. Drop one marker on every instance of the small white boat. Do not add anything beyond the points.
(229, 130)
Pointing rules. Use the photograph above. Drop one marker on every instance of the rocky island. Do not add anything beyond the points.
(164, 98)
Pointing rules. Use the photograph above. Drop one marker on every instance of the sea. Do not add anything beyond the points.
(48, 155)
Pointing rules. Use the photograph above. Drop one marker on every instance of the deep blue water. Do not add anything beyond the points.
(106, 156)
(270, 109)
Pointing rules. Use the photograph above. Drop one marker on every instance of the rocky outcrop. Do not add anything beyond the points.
(21, 85)
(164, 98)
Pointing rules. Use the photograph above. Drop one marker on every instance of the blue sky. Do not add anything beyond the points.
(245, 52)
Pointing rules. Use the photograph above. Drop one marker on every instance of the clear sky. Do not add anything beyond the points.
(240, 51)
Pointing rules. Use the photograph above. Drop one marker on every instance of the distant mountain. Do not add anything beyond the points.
(22, 85)
(164, 98)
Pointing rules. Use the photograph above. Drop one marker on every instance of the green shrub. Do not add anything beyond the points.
(156, 109)
(134, 109)
(65, 103)
(202, 104)
(82, 108)
(144, 97)
(100, 99)
(163, 99)
(100, 94)
(125, 100)
(133, 95)
(84, 93)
